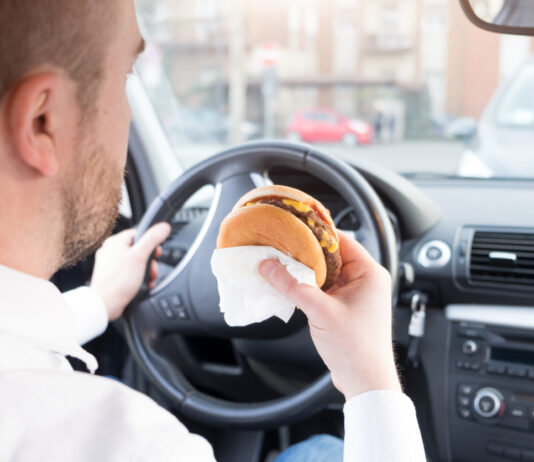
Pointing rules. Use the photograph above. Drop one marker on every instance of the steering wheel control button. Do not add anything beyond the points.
(487, 402)
(165, 309)
(176, 301)
(469, 347)
(434, 254)
(183, 315)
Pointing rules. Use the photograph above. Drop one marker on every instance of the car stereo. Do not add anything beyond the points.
(491, 392)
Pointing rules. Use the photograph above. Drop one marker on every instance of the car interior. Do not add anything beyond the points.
(459, 248)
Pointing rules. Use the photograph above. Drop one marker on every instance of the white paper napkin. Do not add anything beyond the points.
(246, 297)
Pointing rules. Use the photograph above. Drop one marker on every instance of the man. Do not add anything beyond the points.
(64, 121)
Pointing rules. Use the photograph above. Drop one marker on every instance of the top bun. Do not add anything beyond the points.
(268, 225)
(286, 192)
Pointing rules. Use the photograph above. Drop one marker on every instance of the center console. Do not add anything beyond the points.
(491, 385)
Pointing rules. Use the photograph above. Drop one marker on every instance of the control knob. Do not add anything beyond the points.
(488, 402)
(469, 347)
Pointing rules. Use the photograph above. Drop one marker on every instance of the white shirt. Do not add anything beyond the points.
(50, 412)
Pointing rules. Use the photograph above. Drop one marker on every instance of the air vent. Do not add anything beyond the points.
(502, 259)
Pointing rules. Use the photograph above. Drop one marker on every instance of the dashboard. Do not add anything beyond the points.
(474, 261)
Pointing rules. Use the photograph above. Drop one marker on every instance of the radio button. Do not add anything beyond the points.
(531, 413)
(475, 366)
(464, 413)
(517, 411)
(496, 369)
(463, 401)
(531, 373)
(465, 389)
(517, 371)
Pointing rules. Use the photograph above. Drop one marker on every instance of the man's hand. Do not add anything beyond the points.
(120, 266)
(351, 323)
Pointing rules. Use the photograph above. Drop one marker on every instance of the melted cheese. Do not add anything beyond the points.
(332, 247)
(298, 206)
(328, 242)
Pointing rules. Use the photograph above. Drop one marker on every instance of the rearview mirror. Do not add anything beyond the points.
(504, 16)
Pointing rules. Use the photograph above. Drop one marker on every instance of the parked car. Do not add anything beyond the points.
(328, 126)
(460, 128)
(502, 144)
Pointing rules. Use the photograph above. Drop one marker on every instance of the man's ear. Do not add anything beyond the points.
(32, 121)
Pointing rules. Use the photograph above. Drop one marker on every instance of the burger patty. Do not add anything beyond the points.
(318, 228)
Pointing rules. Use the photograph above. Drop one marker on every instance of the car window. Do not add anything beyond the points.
(403, 83)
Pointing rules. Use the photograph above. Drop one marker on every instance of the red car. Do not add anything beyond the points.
(327, 125)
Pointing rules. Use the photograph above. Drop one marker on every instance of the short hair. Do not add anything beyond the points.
(67, 34)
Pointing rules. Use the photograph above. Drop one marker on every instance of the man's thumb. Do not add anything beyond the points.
(312, 300)
(153, 237)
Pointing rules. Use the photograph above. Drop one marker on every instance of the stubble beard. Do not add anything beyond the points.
(90, 204)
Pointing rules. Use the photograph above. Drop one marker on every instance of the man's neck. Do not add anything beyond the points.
(28, 239)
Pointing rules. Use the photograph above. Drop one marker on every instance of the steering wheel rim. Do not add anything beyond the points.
(230, 169)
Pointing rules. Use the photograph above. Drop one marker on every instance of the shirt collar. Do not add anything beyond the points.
(34, 311)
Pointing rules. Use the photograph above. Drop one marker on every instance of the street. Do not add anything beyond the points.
(407, 156)
(441, 156)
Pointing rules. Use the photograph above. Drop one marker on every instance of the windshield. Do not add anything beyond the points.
(516, 108)
(402, 83)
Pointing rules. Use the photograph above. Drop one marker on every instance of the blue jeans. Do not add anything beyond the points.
(319, 448)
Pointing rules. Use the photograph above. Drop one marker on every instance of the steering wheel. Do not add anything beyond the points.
(187, 301)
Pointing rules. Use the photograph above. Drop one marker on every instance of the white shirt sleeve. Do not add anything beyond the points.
(65, 417)
(90, 314)
(381, 426)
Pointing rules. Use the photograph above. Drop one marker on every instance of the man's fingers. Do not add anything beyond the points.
(312, 300)
(153, 270)
(151, 239)
(125, 236)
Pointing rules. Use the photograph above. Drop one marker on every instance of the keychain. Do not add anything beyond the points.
(416, 330)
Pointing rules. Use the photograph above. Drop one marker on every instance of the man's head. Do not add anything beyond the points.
(64, 118)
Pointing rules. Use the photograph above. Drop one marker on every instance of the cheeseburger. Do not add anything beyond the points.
(290, 221)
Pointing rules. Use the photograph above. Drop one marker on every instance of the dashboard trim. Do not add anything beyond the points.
(502, 315)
